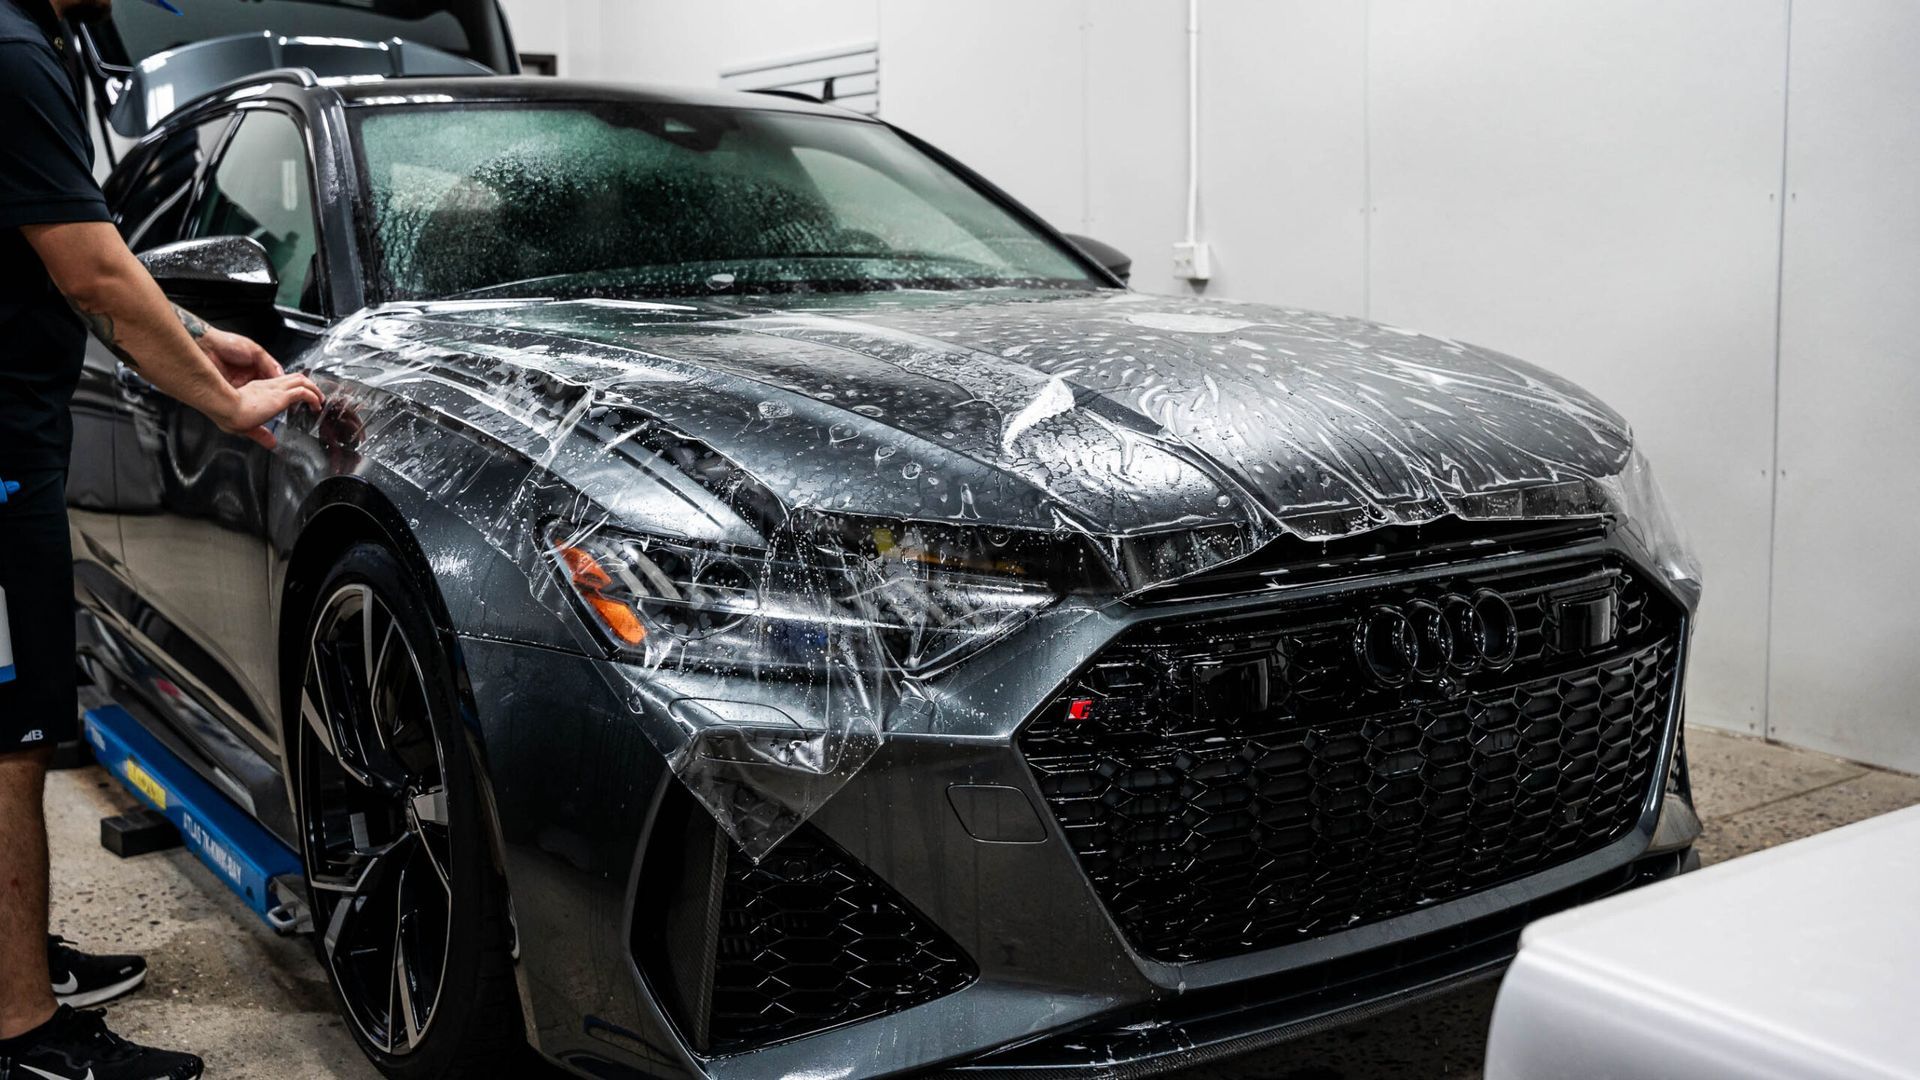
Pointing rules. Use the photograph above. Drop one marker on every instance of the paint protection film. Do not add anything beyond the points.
(786, 514)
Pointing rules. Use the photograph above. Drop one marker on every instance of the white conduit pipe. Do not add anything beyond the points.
(1193, 121)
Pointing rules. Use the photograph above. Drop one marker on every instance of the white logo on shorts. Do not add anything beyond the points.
(33, 736)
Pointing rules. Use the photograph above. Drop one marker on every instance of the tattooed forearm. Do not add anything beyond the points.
(100, 325)
(195, 324)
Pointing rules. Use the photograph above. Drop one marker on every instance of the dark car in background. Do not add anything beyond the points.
(759, 602)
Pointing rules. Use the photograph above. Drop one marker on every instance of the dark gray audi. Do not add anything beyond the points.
(760, 602)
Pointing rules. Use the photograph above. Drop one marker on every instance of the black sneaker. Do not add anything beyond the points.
(77, 1046)
(80, 980)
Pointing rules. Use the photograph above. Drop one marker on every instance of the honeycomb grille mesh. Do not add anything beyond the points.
(1212, 826)
(810, 940)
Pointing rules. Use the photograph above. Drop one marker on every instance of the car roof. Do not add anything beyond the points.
(534, 88)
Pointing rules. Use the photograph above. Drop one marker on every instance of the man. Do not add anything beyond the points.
(64, 270)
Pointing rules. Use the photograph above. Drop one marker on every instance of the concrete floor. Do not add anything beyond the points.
(255, 1005)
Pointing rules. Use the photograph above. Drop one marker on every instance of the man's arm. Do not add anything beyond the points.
(224, 376)
(196, 326)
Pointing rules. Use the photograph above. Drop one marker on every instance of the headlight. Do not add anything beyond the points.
(909, 596)
(1643, 514)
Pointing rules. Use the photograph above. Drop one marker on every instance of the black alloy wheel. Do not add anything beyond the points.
(408, 912)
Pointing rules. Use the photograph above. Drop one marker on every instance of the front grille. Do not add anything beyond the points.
(1289, 560)
(1238, 783)
(807, 940)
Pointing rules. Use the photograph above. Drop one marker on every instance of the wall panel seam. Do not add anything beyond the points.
(1086, 116)
(1779, 308)
(1366, 159)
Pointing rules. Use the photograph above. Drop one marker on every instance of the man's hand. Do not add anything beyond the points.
(265, 390)
(260, 400)
(239, 358)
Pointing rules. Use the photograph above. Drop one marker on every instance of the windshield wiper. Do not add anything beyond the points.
(880, 256)
(705, 277)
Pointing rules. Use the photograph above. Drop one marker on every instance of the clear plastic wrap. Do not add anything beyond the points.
(779, 524)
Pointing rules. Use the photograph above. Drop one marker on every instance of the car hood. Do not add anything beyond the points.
(1109, 413)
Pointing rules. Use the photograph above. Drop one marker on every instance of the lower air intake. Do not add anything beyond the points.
(807, 940)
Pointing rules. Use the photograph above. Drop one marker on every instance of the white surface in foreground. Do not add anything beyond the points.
(1798, 962)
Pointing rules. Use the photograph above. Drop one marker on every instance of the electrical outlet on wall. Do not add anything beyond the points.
(1193, 262)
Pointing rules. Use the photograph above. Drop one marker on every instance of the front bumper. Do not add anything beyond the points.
(1053, 985)
(1245, 1018)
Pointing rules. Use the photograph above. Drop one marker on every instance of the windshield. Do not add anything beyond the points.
(653, 200)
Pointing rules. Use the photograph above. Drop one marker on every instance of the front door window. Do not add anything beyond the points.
(261, 189)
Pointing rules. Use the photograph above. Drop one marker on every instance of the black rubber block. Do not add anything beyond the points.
(138, 832)
(72, 754)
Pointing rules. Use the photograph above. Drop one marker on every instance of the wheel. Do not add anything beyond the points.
(409, 913)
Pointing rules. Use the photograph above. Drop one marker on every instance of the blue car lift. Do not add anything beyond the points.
(259, 869)
(240, 853)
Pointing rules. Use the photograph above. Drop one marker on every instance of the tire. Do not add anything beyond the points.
(410, 914)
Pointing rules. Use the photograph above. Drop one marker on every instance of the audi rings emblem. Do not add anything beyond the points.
(1428, 639)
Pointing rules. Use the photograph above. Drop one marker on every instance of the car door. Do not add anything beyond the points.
(110, 477)
(150, 197)
(200, 556)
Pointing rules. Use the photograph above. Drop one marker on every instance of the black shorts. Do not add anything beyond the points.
(40, 706)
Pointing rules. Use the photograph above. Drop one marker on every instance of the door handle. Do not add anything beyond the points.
(130, 380)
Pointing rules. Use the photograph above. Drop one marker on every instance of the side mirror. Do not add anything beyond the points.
(219, 278)
(1115, 260)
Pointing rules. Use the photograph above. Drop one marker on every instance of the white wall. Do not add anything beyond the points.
(1000, 84)
(1592, 186)
(540, 26)
(1283, 120)
(1595, 187)
(657, 41)
(1845, 676)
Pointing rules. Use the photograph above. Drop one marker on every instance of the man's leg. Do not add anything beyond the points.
(26, 988)
(38, 708)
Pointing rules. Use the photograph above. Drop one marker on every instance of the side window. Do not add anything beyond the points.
(150, 201)
(261, 189)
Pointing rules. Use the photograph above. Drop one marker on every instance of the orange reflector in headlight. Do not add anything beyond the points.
(592, 581)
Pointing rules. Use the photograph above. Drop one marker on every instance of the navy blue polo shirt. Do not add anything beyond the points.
(46, 178)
